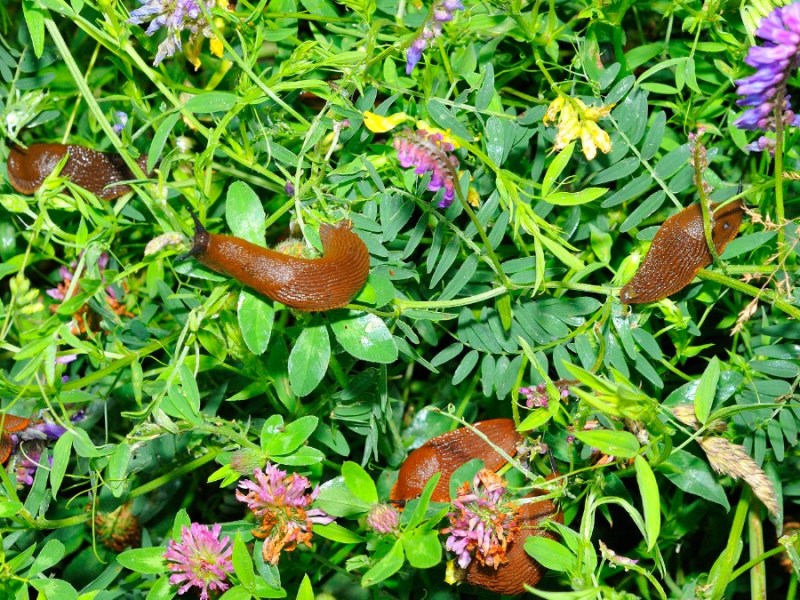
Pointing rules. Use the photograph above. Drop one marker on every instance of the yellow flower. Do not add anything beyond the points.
(473, 197)
(569, 127)
(592, 138)
(553, 110)
(380, 124)
(216, 46)
(446, 135)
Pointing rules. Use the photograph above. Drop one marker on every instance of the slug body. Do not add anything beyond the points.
(11, 424)
(98, 172)
(309, 284)
(679, 251)
(446, 453)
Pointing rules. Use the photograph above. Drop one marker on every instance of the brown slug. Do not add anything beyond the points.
(520, 570)
(449, 451)
(679, 251)
(98, 172)
(10, 424)
(309, 284)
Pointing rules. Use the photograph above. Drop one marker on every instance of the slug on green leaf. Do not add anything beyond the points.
(98, 172)
(679, 251)
(309, 284)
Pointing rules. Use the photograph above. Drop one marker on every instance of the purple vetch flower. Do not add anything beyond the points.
(383, 518)
(28, 446)
(761, 144)
(201, 559)
(121, 119)
(429, 153)
(483, 522)
(443, 12)
(765, 90)
(536, 396)
(279, 502)
(175, 16)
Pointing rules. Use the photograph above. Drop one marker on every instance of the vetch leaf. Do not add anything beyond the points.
(706, 390)
(244, 213)
(550, 554)
(149, 561)
(210, 102)
(585, 196)
(556, 168)
(621, 444)
(651, 502)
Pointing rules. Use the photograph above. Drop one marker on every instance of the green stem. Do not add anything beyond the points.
(766, 295)
(780, 216)
(724, 564)
(438, 304)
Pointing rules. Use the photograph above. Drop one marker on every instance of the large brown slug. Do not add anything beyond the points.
(309, 284)
(679, 251)
(10, 424)
(98, 172)
(446, 453)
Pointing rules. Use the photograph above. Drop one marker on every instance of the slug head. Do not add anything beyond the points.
(201, 239)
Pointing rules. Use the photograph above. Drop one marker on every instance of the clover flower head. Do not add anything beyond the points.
(443, 12)
(201, 559)
(429, 153)
(279, 502)
(118, 529)
(175, 16)
(483, 523)
(383, 518)
(764, 92)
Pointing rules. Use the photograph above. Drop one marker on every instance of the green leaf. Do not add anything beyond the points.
(651, 501)
(61, 452)
(10, 508)
(256, 317)
(359, 482)
(210, 102)
(336, 499)
(337, 533)
(305, 591)
(117, 470)
(365, 336)
(237, 592)
(57, 589)
(442, 117)
(423, 549)
(160, 139)
(34, 19)
(693, 475)
(621, 444)
(244, 213)
(291, 437)
(556, 168)
(585, 196)
(243, 563)
(149, 561)
(386, 566)
(706, 390)
(550, 554)
(82, 443)
(309, 359)
(52, 552)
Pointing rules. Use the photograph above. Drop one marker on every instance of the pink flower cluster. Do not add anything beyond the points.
(279, 502)
(536, 396)
(483, 522)
(201, 559)
(429, 153)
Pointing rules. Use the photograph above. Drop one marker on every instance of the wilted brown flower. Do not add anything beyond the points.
(118, 529)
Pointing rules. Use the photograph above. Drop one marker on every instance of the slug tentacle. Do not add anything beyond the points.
(679, 251)
(98, 172)
(310, 284)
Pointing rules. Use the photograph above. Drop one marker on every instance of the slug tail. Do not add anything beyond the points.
(201, 238)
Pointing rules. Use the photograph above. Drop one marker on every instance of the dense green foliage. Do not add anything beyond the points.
(174, 382)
